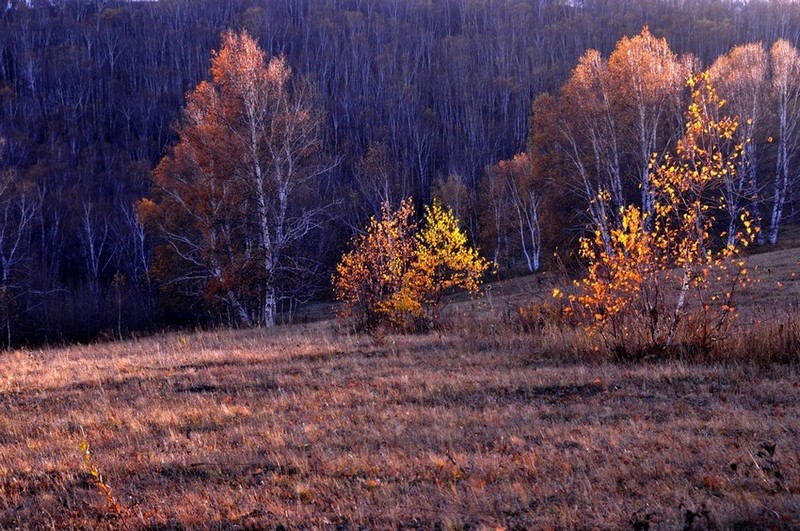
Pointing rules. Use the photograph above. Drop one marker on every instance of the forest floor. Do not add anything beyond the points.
(479, 426)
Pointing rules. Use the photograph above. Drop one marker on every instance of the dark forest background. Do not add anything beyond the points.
(417, 91)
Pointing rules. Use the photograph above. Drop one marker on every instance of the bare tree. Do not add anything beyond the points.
(17, 213)
(96, 243)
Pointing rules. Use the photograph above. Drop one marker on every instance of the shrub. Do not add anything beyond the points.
(538, 316)
(397, 272)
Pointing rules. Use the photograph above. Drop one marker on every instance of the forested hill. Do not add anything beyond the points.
(412, 90)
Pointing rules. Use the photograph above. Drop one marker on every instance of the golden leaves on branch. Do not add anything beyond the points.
(671, 278)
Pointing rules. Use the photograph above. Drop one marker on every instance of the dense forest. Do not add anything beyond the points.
(413, 98)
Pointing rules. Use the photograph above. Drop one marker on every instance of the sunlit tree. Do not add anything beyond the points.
(397, 273)
(740, 76)
(785, 63)
(590, 139)
(614, 114)
(443, 261)
(678, 277)
(374, 270)
(646, 80)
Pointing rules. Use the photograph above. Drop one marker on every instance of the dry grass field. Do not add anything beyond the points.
(480, 426)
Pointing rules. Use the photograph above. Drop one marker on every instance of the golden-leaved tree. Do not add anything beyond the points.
(397, 272)
(614, 113)
(231, 200)
(741, 77)
(675, 277)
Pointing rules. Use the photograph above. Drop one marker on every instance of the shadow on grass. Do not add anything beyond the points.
(493, 396)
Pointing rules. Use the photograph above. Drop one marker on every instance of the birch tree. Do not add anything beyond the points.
(589, 131)
(227, 200)
(785, 63)
(668, 283)
(521, 202)
(17, 213)
(741, 79)
(647, 80)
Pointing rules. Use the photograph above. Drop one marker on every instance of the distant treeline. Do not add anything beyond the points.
(425, 95)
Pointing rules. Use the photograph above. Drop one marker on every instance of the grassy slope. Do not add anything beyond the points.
(309, 426)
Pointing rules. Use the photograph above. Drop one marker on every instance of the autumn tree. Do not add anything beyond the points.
(646, 80)
(512, 197)
(547, 177)
(89, 92)
(443, 262)
(677, 277)
(494, 215)
(785, 63)
(397, 273)
(374, 270)
(227, 198)
(517, 198)
(615, 113)
(527, 198)
(590, 138)
(740, 76)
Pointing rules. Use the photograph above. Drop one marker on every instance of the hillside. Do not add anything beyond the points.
(308, 426)
(515, 113)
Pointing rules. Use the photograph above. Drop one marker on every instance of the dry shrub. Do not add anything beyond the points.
(533, 318)
(765, 342)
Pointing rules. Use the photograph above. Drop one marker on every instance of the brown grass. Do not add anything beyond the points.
(479, 426)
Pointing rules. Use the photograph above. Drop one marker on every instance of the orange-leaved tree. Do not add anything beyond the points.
(675, 277)
(231, 198)
(374, 269)
(397, 272)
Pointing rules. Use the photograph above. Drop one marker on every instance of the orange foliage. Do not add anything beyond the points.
(228, 203)
(396, 274)
(373, 271)
(675, 279)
